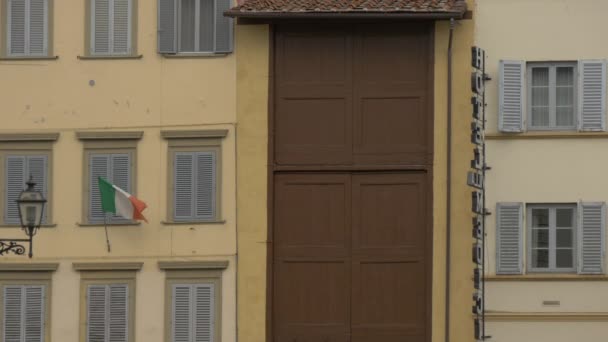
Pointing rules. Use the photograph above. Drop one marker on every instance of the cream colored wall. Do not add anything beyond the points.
(547, 170)
(147, 94)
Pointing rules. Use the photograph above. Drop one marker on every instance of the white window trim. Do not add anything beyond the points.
(552, 98)
(26, 38)
(111, 51)
(552, 243)
(197, 31)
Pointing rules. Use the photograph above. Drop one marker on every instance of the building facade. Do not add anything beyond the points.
(343, 149)
(546, 189)
(144, 95)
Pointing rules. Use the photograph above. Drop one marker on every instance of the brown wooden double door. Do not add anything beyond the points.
(349, 257)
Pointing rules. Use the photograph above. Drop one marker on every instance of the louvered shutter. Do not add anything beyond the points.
(120, 176)
(13, 320)
(592, 95)
(509, 227)
(204, 313)
(33, 318)
(37, 167)
(15, 183)
(118, 309)
(592, 222)
(16, 27)
(121, 25)
(205, 185)
(183, 197)
(167, 26)
(38, 27)
(223, 27)
(99, 166)
(511, 96)
(100, 27)
(96, 313)
(181, 328)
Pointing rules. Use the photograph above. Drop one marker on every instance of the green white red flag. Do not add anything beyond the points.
(119, 202)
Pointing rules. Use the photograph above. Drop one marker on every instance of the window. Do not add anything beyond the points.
(107, 301)
(559, 238)
(110, 155)
(193, 301)
(194, 176)
(19, 166)
(552, 94)
(552, 238)
(27, 30)
(111, 27)
(194, 26)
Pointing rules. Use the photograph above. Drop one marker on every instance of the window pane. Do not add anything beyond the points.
(564, 258)
(564, 94)
(540, 97)
(540, 116)
(540, 77)
(540, 218)
(540, 238)
(206, 26)
(187, 19)
(540, 258)
(564, 218)
(564, 238)
(564, 116)
(565, 76)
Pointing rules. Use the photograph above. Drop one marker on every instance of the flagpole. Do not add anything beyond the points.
(105, 223)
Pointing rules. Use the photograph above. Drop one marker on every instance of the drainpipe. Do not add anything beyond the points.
(448, 209)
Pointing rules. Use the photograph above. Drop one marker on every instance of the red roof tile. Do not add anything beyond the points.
(348, 6)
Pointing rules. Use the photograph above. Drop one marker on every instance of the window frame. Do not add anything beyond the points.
(27, 149)
(552, 66)
(552, 241)
(90, 32)
(6, 33)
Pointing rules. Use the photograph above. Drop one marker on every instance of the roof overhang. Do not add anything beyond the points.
(349, 15)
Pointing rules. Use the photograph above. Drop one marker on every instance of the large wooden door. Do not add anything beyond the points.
(351, 164)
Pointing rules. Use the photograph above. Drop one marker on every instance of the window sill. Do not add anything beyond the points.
(51, 225)
(547, 277)
(110, 57)
(190, 223)
(109, 224)
(547, 135)
(195, 54)
(29, 58)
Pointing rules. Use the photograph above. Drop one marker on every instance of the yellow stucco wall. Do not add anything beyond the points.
(543, 170)
(147, 94)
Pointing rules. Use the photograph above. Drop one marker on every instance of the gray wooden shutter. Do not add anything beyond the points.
(37, 167)
(120, 170)
(223, 27)
(592, 222)
(100, 27)
(16, 27)
(13, 313)
(511, 96)
(15, 183)
(509, 227)
(181, 316)
(592, 95)
(183, 185)
(96, 313)
(167, 26)
(33, 316)
(204, 313)
(205, 185)
(38, 27)
(121, 24)
(99, 166)
(118, 313)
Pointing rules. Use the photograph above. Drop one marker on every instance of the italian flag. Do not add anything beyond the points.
(117, 201)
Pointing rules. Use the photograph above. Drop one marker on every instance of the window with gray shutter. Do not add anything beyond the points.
(111, 25)
(27, 27)
(194, 26)
(24, 307)
(509, 227)
(193, 315)
(114, 167)
(19, 168)
(107, 313)
(511, 96)
(592, 95)
(194, 186)
(592, 218)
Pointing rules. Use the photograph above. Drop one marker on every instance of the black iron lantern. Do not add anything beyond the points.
(31, 210)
